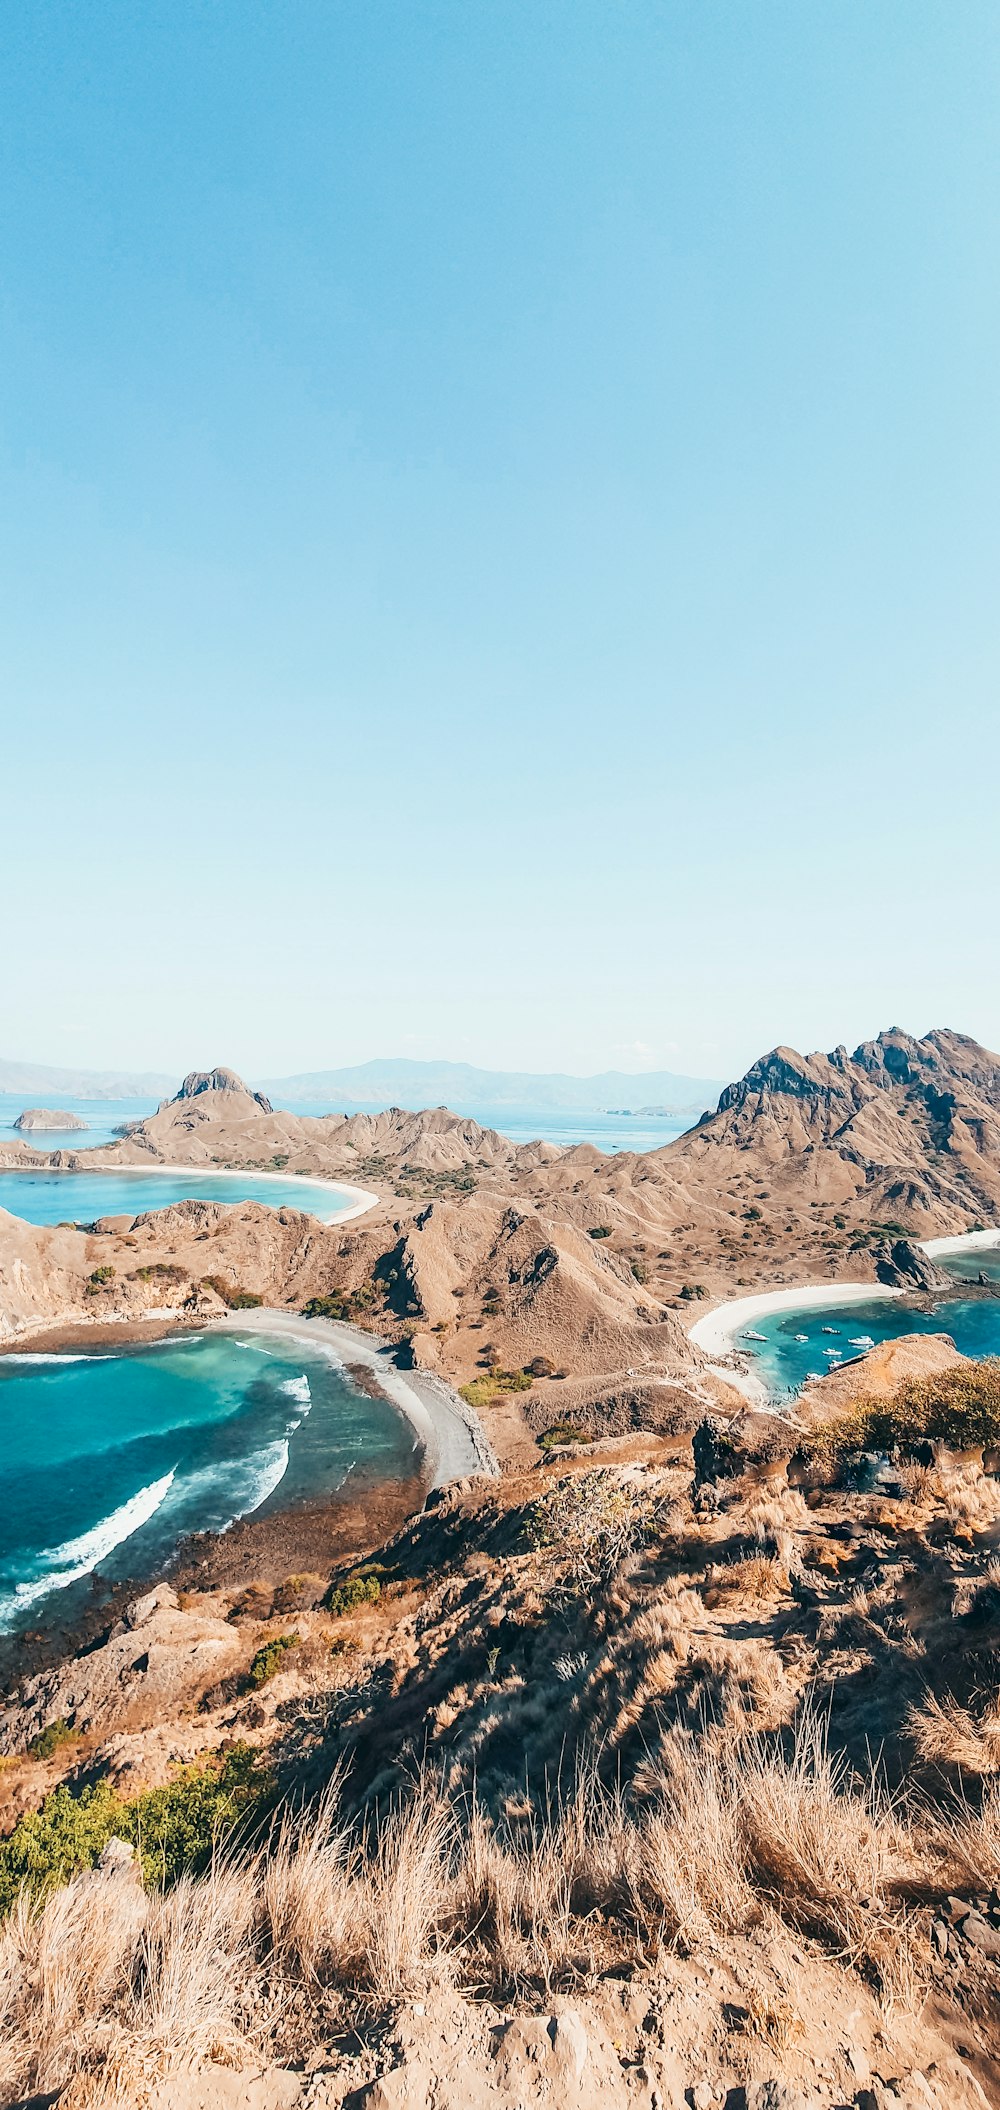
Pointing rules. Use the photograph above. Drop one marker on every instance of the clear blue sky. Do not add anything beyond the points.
(500, 528)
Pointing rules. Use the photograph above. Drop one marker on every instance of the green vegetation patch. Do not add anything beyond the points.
(480, 1390)
(346, 1597)
(343, 1304)
(172, 1828)
(563, 1432)
(270, 1659)
(960, 1408)
(237, 1298)
(50, 1739)
(99, 1280)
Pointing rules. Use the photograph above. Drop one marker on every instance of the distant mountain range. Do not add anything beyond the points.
(461, 1086)
(373, 1085)
(85, 1084)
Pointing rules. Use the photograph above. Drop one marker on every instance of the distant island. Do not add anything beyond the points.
(652, 1113)
(48, 1117)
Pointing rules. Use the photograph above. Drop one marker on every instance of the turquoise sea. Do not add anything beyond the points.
(81, 1197)
(811, 1341)
(108, 1458)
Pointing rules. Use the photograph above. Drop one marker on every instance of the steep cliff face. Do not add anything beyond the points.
(909, 1125)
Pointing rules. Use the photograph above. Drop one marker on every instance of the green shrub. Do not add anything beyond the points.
(49, 1739)
(269, 1659)
(172, 1828)
(238, 1299)
(693, 1290)
(480, 1390)
(600, 1231)
(99, 1280)
(343, 1303)
(160, 1270)
(960, 1408)
(562, 1432)
(332, 1306)
(343, 1598)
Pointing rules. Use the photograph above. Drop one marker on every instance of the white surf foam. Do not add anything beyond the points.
(230, 1490)
(68, 1563)
(14, 1358)
(298, 1388)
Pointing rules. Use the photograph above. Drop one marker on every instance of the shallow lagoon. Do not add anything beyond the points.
(832, 1333)
(81, 1197)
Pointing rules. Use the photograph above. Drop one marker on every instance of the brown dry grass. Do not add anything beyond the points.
(947, 1734)
(105, 1978)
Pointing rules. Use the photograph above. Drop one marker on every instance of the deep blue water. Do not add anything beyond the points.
(109, 1458)
(832, 1333)
(81, 1197)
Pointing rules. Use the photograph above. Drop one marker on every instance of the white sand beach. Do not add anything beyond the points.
(455, 1442)
(361, 1199)
(970, 1239)
(718, 1332)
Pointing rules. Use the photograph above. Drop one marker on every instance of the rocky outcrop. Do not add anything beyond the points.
(156, 1658)
(902, 1265)
(47, 1117)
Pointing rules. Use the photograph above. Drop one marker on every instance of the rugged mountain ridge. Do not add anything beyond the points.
(903, 1125)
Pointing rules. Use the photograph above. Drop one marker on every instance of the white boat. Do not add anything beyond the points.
(834, 1353)
(750, 1335)
(829, 1329)
(861, 1340)
(802, 1336)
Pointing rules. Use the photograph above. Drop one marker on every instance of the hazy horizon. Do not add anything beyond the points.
(499, 530)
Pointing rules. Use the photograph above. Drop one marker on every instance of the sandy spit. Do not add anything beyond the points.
(361, 1199)
(455, 1443)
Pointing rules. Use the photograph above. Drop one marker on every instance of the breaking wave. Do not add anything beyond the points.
(69, 1563)
(298, 1388)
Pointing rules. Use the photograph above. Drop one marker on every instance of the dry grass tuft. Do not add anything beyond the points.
(946, 1734)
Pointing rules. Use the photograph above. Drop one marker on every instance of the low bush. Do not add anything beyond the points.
(270, 1659)
(594, 1521)
(161, 1271)
(960, 1408)
(99, 1280)
(237, 1298)
(50, 1738)
(480, 1390)
(343, 1304)
(172, 1828)
(346, 1597)
(600, 1231)
(562, 1432)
